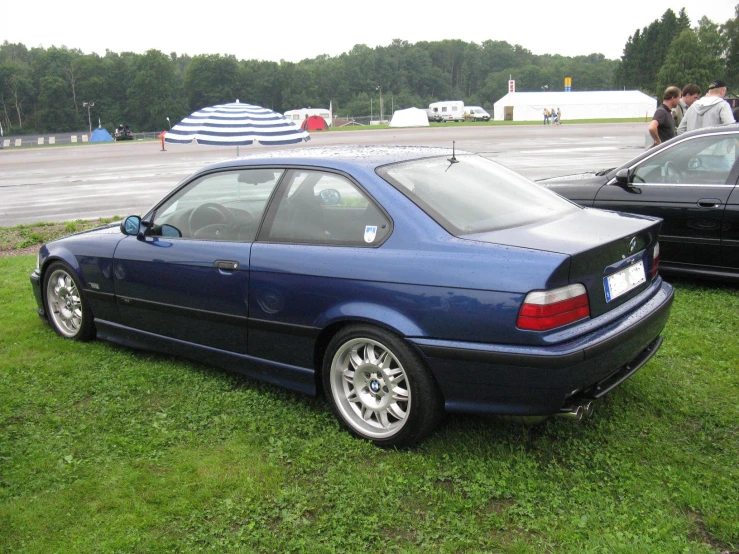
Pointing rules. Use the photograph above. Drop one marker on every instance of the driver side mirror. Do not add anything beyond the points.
(623, 180)
(131, 225)
(134, 227)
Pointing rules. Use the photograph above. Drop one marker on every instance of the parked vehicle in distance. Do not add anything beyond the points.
(401, 281)
(300, 115)
(691, 183)
(122, 132)
(476, 113)
(434, 117)
(449, 110)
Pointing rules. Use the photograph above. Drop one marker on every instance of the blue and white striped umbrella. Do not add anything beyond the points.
(236, 124)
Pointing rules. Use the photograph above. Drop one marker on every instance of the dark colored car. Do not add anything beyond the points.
(691, 183)
(401, 281)
(123, 132)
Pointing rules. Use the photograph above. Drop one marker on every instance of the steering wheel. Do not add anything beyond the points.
(672, 173)
(199, 222)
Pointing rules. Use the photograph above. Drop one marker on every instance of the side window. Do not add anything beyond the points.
(224, 206)
(325, 208)
(701, 161)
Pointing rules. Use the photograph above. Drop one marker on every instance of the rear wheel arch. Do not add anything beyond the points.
(405, 404)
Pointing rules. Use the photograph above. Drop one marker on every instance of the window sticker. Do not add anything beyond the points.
(370, 232)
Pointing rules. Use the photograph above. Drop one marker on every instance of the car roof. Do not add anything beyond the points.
(337, 157)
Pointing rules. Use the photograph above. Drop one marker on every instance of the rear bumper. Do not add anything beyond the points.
(525, 380)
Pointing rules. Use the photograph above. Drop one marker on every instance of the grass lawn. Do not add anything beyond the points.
(105, 449)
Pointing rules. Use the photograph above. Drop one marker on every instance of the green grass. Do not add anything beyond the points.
(106, 449)
(36, 234)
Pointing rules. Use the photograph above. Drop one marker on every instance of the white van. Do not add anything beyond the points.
(476, 113)
(450, 110)
(297, 116)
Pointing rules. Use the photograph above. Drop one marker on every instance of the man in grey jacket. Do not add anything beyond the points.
(710, 110)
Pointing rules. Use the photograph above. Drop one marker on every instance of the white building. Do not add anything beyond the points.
(596, 104)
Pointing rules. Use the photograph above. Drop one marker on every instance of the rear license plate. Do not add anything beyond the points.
(623, 281)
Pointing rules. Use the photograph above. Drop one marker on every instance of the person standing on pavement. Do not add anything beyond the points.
(662, 126)
(710, 110)
(690, 94)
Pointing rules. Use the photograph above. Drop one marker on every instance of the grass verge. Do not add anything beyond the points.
(106, 449)
(23, 237)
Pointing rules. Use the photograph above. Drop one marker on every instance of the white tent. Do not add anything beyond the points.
(596, 104)
(412, 117)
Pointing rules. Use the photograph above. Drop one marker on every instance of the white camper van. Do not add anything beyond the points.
(476, 113)
(450, 110)
(297, 116)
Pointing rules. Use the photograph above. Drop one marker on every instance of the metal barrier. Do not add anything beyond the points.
(61, 138)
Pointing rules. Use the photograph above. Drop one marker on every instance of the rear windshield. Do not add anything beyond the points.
(473, 194)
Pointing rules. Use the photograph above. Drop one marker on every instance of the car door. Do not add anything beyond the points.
(319, 223)
(187, 276)
(730, 233)
(688, 185)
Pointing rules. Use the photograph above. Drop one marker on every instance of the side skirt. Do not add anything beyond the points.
(295, 378)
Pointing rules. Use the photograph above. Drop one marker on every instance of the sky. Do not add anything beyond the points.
(292, 31)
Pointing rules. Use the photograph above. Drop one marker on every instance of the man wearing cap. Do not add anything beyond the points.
(710, 110)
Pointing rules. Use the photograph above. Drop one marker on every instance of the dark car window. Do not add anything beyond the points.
(325, 208)
(227, 205)
(703, 160)
(470, 194)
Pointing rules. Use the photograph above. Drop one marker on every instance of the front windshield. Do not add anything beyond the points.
(473, 194)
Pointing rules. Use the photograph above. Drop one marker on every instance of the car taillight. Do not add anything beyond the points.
(655, 260)
(544, 310)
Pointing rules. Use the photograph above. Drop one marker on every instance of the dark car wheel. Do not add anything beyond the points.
(379, 388)
(66, 307)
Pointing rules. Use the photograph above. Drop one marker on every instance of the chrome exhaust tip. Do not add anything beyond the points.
(572, 412)
(588, 408)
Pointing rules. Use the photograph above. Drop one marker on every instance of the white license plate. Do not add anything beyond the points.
(623, 281)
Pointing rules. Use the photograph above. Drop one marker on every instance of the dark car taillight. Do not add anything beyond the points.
(655, 260)
(544, 310)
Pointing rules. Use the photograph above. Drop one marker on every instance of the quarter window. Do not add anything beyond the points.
(325, 208)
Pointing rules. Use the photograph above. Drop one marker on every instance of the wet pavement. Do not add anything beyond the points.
(53, 184)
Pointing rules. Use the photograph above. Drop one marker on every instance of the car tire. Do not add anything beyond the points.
(379, 388)
(66, 307)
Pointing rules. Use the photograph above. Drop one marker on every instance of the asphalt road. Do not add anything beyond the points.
(53, 184)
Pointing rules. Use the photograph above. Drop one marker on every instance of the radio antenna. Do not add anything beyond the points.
(453, 159)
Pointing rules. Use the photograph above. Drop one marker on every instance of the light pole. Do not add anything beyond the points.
(88, 105)
(170, 125)
(379, 87)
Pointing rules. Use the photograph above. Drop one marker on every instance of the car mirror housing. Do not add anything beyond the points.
(131, 225)
(622, 177)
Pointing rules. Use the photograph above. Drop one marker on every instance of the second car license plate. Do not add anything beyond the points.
(623, 281)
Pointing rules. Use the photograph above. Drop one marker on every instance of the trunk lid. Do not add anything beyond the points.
(600, 244)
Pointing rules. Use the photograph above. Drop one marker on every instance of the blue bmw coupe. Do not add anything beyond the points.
(402, 282)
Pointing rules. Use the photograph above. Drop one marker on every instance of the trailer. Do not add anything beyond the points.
(300, 115)
(450, 110)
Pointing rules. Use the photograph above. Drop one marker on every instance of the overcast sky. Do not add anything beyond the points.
(293, 31)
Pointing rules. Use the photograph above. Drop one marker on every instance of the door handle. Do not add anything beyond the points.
(228, 265)
(709, 202)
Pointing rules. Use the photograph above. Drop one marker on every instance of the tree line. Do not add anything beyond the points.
(45, 89)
